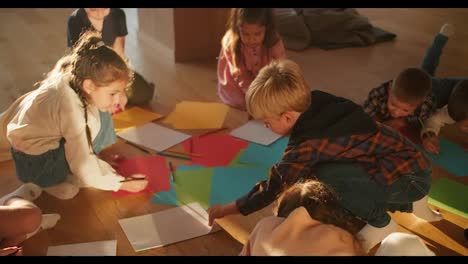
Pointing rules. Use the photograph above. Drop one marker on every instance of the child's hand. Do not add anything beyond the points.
(431, 143)
(135, 185)
(11, 251)
(220, 211)
(397, 123)
(215, 211)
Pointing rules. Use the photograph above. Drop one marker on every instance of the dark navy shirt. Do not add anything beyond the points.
(114, 26)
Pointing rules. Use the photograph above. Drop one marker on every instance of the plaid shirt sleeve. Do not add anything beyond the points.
(294, 165)
(376, 101)
(371, 103)
(425, 111)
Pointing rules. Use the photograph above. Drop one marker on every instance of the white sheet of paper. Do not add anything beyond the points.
(255, 131)
(167, 227)
(153, 136)
(98, 248)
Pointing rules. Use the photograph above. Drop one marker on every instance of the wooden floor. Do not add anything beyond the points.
(31, 41)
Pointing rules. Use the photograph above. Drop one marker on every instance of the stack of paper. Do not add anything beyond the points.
(98, 248)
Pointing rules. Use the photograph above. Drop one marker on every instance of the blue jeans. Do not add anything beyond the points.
(441, 87)
(411, 187)
(367, 199)
(51, 167)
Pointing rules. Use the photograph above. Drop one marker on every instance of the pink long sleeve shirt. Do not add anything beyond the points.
(232, 89)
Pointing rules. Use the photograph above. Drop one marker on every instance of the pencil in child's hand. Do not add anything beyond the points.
(133, 179)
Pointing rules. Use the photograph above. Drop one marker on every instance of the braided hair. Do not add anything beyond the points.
(91, 60)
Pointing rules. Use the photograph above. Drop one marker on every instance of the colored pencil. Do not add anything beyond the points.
(133, 179)
(173, 155)
(172, 171)
(138, 147)
(183, 153)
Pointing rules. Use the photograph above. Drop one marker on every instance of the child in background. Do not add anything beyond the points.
(56, 130)
(250, 43)
(371, 167)
(415, 94)
(111, 22)
(112, 25)
(455, 112)
(20, 219)
(308, 212)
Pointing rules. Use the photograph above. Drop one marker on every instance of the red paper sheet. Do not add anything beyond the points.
(154, 167)
(215, 149)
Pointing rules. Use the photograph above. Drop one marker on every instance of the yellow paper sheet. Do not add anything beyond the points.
(197, 115)
(133, 117)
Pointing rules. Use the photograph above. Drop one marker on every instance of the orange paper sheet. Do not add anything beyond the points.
(197, 115)
(133, 117)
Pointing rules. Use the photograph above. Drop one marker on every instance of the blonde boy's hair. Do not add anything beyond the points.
(279, 87)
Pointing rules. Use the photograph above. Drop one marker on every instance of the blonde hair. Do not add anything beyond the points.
(279, 87)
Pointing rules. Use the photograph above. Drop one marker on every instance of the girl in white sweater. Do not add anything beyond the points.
(55, 132)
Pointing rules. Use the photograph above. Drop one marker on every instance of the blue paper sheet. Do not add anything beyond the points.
(230, 183)
(452, 157)
(264, 155)
(167, 197)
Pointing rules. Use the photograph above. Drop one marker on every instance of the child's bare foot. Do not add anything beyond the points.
(447, 30)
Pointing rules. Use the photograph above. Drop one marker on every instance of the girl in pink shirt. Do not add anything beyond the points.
(250, 43)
